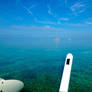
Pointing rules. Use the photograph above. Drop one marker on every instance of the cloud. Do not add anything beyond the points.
(51, 22)
(39, 28)
(78, 8)
(62, 24)
(46, 22)
(77, 5)
(90, 23)
(64, 19)
(28, 10)
(33, 6)
(76, 25)
(50, 11)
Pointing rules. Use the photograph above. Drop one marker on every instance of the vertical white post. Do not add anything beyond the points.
(66, 73)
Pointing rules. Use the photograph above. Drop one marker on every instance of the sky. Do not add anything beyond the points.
(52, 15)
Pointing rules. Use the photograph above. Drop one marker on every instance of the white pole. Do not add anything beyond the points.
(66, 73)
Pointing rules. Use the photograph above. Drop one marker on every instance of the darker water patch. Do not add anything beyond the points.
(5, 63)
(41, 79)
(25, 90)
(8, 76)
(28, 74)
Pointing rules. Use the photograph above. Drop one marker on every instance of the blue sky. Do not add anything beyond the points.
(46, 15)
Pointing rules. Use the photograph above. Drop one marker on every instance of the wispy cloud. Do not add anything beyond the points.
(52, 22)
(46, 27)
(59, 22)
(62, 20)
(33, 6)
(50, 11)
(90, 23)
(46, 22)
(28, 10)
(77, 5)
(76, 25)
(78, 8)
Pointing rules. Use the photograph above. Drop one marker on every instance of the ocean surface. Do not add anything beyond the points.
(39, 61)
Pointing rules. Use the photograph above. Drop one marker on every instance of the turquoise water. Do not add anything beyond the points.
(39, 62)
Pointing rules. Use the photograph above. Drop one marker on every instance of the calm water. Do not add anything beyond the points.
(39, 62)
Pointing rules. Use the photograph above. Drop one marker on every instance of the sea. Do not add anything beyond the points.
(38, 59)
